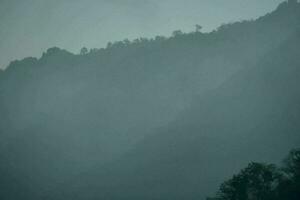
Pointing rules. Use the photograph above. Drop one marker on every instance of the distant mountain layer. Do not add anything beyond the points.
(168, 118)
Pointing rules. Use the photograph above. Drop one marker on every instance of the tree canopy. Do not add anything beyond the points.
(259, 181)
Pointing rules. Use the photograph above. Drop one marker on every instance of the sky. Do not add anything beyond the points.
(30, 27)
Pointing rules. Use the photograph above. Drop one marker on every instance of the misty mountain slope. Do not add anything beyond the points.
(253, 116)
(63, 114)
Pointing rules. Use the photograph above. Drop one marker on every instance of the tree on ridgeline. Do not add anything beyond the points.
(83, 51)
(198, 28)
(177, 33)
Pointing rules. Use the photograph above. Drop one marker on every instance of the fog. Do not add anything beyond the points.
(198, 113)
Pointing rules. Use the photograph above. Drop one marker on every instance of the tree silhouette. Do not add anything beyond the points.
(83, 51)
(292, 165)
(198, 27)
(289, 187)
(264, 182)
(177, 33)
(254, 182)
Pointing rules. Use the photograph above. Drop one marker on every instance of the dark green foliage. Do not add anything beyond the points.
(292, 165)
(289, 187)
(265, 182)
(254, 182)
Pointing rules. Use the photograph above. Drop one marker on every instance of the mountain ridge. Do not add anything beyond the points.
(157, 169)
(64, 114)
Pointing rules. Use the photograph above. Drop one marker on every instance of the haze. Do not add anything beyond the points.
(193, 114)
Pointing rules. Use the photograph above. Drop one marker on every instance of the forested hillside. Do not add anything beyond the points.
(162, 118)
(252, 117)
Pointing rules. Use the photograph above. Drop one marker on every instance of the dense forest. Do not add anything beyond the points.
(165, 118)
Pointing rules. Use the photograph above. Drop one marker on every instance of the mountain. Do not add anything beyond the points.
(186, 110)
(253, 116)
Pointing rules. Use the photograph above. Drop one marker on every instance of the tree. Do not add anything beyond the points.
(264, 182)
(160, 38)
(292, 165)
(53, 50)
(289, 187)
(83, 51)
(126, 42)
(256, 182)
(198, 28)
(109, 45)
(94, 50)
(177, 33)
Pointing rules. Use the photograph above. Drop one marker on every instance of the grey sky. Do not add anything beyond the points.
(29, 27)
